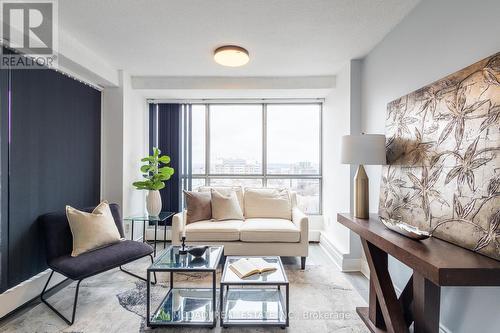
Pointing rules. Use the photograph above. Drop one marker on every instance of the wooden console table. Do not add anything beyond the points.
(435, 263)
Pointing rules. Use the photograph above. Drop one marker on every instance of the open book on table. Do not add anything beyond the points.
(246, 267)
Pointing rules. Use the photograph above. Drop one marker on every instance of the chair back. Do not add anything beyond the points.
(57, 233)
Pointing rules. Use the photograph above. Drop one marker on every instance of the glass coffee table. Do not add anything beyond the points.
(257, 300)
(185, 306)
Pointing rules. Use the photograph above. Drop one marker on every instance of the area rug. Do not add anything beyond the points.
(321, 300)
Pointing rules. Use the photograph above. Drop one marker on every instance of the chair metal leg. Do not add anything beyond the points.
(137, 276)
(69, 322)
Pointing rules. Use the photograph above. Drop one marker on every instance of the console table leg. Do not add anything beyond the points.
(391, 308)
(374, 311)
(426, 303)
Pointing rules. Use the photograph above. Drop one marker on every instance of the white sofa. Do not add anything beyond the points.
(256, 236)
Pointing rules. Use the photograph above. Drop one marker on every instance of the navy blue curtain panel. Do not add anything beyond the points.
(165, 132)
(4, 137)
(50, 157)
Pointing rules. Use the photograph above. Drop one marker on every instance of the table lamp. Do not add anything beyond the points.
(362, 149)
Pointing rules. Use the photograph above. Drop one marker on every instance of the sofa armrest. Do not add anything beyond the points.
(302, 222)
(178, 224)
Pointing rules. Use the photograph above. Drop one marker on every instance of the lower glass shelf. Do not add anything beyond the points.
(185, 306)
(254, 306)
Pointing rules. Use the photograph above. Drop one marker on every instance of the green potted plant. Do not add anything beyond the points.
(155, 173)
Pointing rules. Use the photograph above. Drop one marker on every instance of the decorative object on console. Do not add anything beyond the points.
(362, 149)
(443, 154)
(155, 176)
(405, 229)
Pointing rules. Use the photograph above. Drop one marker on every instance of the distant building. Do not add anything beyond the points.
(237, 166)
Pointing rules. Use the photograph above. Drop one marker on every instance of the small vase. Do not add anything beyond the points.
(153, 203)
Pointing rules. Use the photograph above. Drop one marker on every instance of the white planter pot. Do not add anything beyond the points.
(153, 203)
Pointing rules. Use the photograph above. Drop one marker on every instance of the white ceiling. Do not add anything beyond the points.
(177, 38)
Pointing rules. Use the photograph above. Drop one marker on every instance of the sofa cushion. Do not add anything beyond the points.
(200, 231)
(92, 262)
(267, 203)
(225, 190)
(269, 230)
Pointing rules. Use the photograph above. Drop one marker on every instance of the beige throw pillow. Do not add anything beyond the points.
(198, 206)
(226, 190)
(267, 203)
(225, 207)
(92, 230)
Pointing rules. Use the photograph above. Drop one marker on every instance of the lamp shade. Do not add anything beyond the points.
(363, 149)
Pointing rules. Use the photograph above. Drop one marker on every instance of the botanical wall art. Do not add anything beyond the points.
(443, 146)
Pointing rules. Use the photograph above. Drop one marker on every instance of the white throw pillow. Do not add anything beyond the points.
(92, 230)
(267, 202)
(226, 190)
(225, 207)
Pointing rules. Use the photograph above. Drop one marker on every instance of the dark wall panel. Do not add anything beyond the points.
(4, 129)
(169, 142)
(54, 159)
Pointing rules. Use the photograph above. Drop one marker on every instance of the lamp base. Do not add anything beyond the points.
(361, 194)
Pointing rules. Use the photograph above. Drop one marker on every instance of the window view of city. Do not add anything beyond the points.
(237, 144)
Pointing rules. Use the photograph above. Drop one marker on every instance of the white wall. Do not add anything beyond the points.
(135, 147)
(436, 39)
(112, 144)
(341, 116)
(124, 143)
(336, 192)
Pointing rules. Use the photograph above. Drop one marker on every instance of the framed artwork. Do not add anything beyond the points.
(443, 153)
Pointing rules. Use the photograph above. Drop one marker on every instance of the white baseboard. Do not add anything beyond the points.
(344, 263)
(365, 269)
(314, 235)
(24, 292)
(331, 251)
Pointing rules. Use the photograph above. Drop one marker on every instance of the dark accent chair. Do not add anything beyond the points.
(59, 244)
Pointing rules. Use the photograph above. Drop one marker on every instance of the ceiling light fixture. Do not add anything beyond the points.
(231, 56)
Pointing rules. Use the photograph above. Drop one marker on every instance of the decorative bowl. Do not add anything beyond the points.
(197, 251)
(405, 229)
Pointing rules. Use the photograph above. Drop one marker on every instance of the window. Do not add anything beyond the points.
(198, 123)
(259, 145)
(236, 139)
(292, 139)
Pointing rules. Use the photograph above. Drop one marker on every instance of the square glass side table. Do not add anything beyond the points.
(163, 217)
(185, 306)
(256, 300)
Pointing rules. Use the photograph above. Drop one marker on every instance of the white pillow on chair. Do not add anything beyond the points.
(92, 230)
